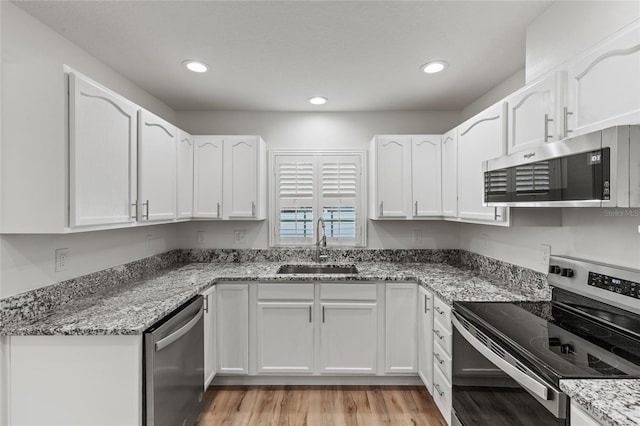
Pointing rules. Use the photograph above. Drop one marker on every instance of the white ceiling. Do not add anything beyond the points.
(274, 55)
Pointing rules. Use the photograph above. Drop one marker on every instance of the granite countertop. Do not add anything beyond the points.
(614, 402)
(133, 307)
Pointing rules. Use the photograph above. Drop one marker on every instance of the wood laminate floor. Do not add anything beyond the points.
(319, 405)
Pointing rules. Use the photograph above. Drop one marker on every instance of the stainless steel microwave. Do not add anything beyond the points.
(600, 169)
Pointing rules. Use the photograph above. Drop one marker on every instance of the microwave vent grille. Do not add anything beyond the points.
(495, 182)
(533, 178)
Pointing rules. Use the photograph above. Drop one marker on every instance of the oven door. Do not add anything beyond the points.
(491, 387)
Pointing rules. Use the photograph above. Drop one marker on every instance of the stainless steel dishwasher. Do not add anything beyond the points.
(174, 367)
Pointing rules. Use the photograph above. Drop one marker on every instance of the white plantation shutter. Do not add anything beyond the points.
(308, 186)
(340, 176)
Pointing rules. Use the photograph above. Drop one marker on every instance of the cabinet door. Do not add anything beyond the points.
(285, 337)
(450, 173)
(185, 175)
(532, 115)
(425, 337)
(209, 336)
(393, 176)
(232, 333)
(156, 168)
(479, 138)
(604, 84)
(426, 175)
(102, 155)
(241, 176)
(401, 328)
(208, 177)
(348, 338)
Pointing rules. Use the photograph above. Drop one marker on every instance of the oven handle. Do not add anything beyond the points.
(526, 381)
(163, 343)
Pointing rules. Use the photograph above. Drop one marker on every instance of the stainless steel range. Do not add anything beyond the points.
(509, 358)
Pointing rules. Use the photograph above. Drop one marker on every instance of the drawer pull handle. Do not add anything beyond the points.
(437, 333)
(438, 389)
(437, 357)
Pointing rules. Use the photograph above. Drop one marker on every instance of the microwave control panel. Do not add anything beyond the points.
(616, 285)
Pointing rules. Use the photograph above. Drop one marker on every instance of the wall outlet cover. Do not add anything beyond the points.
(240, 236)
(545, 252)
(417, 236)
(62, 259)
(200, 237)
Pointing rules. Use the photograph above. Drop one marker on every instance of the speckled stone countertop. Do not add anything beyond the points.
(612, 402)
(132, 308)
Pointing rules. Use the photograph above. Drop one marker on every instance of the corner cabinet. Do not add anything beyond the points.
(401, 328)
(405, 175)
(102, 155)
(604, 84)
(480, 138)
(232, 328)
(425, 337)
(185, 175)
(156, 168)
(450, 174)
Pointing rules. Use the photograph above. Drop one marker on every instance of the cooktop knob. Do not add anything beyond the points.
(554, 269)
(567, 272)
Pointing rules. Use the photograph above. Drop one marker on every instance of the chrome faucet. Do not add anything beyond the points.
(320, 241)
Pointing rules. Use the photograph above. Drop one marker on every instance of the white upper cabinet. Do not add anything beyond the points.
(391, 157)
(479, 139)
(426, 175)
(156, 168)
(450, 173)
(604, 84)
(244, 177)
(208, 177)
(405, 177)
(185, 175)
(102, 155)
(532, 114)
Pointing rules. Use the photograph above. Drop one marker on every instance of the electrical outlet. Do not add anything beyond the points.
(485, 241)
(240, 236)
(62, 258)
(545, 252)
(417, 236)
(147, 240)
(200, 237)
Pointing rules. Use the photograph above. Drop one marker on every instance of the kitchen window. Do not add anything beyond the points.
(310, 185)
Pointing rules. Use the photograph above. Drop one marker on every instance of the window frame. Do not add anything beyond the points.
(360, 202)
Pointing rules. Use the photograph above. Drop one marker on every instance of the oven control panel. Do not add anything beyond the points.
(616, 285)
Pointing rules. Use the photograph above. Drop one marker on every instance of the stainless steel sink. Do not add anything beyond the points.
(317, 269)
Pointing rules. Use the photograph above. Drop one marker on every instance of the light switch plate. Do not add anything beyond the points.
(240, 236)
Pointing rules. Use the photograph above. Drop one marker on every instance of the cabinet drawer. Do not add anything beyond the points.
(291, 291)
(442, 312)
(442, 359)
(442, 394)
(442, 336)
(366, 292)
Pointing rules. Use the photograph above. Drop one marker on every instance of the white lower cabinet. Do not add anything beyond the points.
(579, 417)
(232, 312)
(442, 356)
(209, 335)
(425, 337)
(285, 328)
(348, 337)
(442, 394)
(401, 328)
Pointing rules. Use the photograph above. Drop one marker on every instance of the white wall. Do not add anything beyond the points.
(506, 87)
(605, 235)
(568, 28)
(27, 262)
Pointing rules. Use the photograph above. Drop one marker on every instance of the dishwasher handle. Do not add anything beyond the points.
(163, 343)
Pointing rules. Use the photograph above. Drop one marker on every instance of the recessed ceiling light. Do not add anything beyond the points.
(434, 67)
(195, 66)
(318, 100)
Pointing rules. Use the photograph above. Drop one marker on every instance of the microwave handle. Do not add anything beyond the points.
(532, 385)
